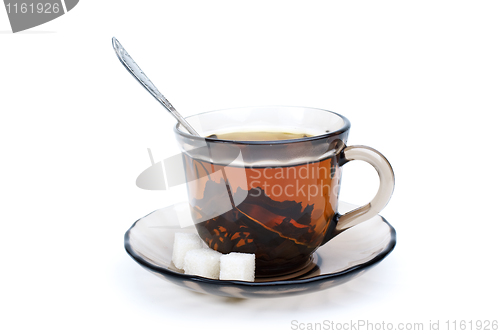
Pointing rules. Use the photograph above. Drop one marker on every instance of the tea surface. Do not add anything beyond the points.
(259, 135)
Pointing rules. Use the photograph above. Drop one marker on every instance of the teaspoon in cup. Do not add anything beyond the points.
(137, 73)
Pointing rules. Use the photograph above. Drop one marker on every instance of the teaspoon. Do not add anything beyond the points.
(137, 73)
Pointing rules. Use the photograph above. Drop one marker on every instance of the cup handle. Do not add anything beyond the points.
(386, 174)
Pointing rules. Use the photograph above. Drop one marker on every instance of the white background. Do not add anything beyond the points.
(419, 81)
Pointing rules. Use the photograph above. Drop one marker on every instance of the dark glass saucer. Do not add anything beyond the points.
(150, 239)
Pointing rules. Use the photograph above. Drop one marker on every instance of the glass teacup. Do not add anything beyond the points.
(273, 197)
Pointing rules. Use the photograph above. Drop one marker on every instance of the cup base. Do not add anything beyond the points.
(296, 271)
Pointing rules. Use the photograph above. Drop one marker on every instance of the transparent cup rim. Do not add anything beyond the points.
(344, 128)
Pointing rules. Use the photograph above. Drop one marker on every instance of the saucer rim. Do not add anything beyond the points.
(349, 271)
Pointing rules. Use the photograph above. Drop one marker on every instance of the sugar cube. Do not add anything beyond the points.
(237, 266)
(184, 242)
(202, 262)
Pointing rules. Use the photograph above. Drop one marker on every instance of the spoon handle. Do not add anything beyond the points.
(137, 73)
